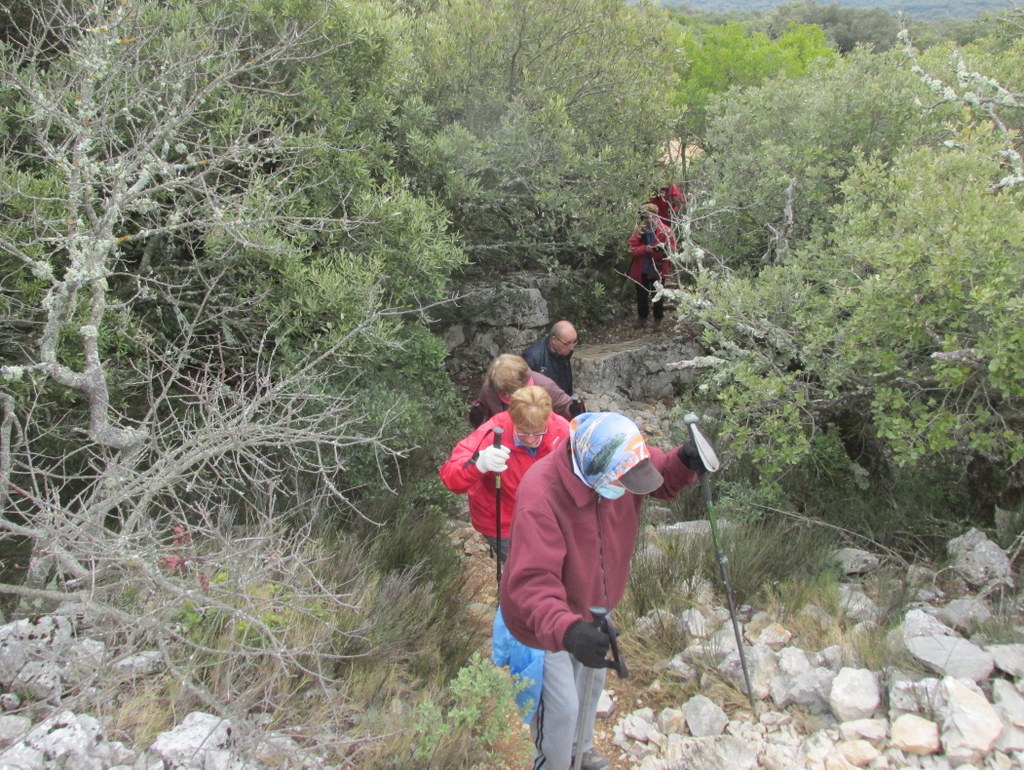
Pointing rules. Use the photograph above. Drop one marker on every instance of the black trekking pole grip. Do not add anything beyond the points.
(600, 622)
(617, 664)
(604, 623)
(499, 432)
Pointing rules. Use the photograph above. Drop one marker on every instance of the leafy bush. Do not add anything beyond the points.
(777, 153)
(885, 330)
(471, 723)
(525, 120)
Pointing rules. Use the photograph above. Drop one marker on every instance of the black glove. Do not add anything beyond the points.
(691, 457)
(587, 644)
(577, 406)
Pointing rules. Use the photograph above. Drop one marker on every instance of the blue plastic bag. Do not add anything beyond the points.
(524, 663)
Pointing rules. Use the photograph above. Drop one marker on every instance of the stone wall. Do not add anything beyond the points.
(486, 320)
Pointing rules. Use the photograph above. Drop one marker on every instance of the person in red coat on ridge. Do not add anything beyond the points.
(649, 245)
(670, 201)
(532, 431)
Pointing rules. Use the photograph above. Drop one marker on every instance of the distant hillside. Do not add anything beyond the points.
(930, 10)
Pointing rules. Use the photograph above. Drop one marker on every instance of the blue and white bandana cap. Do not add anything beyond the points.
(605, 446)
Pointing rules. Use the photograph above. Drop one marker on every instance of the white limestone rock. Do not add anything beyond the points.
(1008, 658)
(952, 656)
(855, 694)
(915, 735)
(964, 614)
(874, 730)
(978, 560)
(704, 717)
(971, 725)
(198, 735)
(856, 561)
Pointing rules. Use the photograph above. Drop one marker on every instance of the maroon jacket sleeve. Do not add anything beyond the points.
(560, 401)
(535, 580)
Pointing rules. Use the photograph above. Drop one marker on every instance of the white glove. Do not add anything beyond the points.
(493, 458)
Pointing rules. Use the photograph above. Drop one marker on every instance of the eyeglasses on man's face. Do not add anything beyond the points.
(571, 344)
(521, 435)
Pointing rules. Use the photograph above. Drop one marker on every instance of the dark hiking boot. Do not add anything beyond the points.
(592, 761)
(640, 323)
(657, 324)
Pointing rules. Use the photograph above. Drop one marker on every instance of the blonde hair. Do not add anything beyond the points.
(507, 373)
(530, 408)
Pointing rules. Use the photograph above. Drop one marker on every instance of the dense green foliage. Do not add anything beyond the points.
(778, 152)
(867, 294)
(537, 123)
(715, 58)
(845, 27)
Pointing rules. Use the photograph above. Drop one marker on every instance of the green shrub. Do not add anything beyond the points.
(472, 724)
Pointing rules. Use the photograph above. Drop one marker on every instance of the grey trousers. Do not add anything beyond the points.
(554, 725)
(499, 547)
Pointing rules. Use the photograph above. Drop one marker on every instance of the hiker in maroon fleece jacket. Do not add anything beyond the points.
(575, 525)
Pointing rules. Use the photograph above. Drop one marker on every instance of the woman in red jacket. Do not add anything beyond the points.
(531, 431)
(649, 245)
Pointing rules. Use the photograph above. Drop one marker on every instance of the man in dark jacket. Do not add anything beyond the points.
(575, 525)
(551, 355)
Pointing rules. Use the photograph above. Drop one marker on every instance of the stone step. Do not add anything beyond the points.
(638, 369)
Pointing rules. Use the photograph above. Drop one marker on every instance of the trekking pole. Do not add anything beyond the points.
(497, 507)
(602, 621)
(710, 461)
(599, 614)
